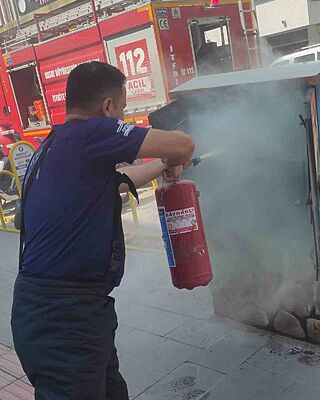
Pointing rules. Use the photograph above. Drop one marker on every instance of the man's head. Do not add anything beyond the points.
(96, 89)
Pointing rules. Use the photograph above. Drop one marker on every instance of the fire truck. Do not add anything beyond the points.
(158, 45)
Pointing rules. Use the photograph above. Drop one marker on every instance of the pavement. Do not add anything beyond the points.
(171, 345)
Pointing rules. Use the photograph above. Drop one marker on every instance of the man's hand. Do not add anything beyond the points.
(171, 174)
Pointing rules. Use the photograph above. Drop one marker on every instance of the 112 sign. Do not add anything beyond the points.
(134, 61)
(133, 58)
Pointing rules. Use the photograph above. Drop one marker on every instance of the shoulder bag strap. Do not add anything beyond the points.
(117, 245)
(26, 187)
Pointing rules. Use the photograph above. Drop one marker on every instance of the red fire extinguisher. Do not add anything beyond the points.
(183, 234)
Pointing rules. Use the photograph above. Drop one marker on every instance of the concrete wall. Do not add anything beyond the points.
(6, 12)
(314, 11)
(282, 15)
(314, 33)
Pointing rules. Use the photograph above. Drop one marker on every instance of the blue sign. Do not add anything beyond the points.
(26, 6)
(162, 12)
(166, 237)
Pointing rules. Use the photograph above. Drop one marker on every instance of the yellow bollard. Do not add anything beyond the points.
(154, 184)
(3, 222)
(133, 207)
(4, 219)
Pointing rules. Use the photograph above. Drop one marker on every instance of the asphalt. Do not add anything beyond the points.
(171, 345)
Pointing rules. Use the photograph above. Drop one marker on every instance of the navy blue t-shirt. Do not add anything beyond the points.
(69, 207)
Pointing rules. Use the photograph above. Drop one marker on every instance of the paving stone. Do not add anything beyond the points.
(202, 334)
(274, 357)
(26, 380)
(10, 364)
(7, 279)
(230, 351)
(249, 383)
(17, 391)
(6, 296)
(4, 349)
(153, 288)
(5, 379)
(189, 381)
(195, 304)
(151, 350)
(148, 319)
(10, 251)
(288, 324)
(138, 376)
(299, 392)
(199, 334)
(11, 356)
(5, 329)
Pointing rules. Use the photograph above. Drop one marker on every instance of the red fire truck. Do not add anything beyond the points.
(158, 45)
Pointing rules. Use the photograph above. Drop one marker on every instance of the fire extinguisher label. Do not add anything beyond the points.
(166, 237)
(182, 221)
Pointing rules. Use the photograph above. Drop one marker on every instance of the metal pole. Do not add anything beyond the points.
(2, 220)
(38, 27)
(94, 14)
(16, 12)
(314, 191)
(133, 207)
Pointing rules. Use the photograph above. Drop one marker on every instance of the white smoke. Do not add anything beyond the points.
(254, 189)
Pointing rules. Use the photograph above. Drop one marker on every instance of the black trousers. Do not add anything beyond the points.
(64, 335)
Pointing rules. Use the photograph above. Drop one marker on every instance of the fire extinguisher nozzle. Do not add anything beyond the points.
(196, 161)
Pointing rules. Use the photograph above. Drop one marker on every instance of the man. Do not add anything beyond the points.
(72, 247)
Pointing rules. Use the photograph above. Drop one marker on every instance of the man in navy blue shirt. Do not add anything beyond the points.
(72, 246)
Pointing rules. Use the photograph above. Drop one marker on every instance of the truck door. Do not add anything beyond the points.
(211, 45)
(4, 108)
(29, 97)
(8, 109)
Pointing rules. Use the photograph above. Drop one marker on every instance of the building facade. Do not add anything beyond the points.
(17, 17)
(287, 25)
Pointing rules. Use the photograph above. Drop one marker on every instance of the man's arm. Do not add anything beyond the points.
(175, 148)
(142, 174)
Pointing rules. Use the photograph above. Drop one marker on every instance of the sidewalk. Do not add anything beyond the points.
(171, 347)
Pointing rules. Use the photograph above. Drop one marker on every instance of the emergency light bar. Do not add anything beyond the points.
(213, 4)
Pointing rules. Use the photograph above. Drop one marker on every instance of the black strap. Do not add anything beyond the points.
(26, 187)
(117, 246)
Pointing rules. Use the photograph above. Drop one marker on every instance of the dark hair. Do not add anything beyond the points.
(89, 83)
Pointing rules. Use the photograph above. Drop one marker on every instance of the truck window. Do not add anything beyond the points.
(29, 98)
(305, 58)
(283, 62)
(218, 36)
(318, 57)
(211, 45)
